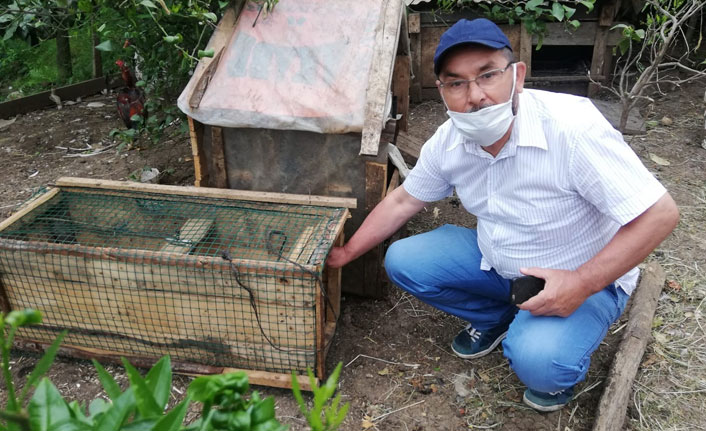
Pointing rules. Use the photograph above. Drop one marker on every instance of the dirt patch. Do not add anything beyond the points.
(399, 373)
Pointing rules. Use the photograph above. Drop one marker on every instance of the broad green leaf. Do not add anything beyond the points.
(159, 381)
(588, 3)
(263, 411)
(145, 402)
(77, 412)
(107, 381)
(47, 408)
(148, 3)
(10, 30)
(569, 11)
(574, 24)
(206, 53)
(140, 425)
(73, 425)
(558, 11)
(122, 406)
(106, 46)
(98, 407)
(270, 425)
(532, 4)
(42, 366)
(640, 33)
(172, 421)
(210, 16)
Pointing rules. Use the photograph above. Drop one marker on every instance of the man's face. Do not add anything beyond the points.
(469, 63)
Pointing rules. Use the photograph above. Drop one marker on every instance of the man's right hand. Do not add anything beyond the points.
(337, 258)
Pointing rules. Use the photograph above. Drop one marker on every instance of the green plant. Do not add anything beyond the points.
(333, 416)
(14, 416)
(226, 407)
(534, 14)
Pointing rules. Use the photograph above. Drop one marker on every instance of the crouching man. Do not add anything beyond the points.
(557, 194)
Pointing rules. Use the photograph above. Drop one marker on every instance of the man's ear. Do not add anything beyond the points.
(521, 72)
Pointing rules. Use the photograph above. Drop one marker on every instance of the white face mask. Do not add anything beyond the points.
(487, 125)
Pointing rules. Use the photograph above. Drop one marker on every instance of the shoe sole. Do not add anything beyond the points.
(541, 408)
(482, 352)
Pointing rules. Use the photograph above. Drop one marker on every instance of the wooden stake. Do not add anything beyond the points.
(243, 195)
(614, 402)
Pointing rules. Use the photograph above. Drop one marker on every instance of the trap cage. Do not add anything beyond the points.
(217, 279)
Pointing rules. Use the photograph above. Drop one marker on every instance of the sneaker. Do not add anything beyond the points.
(471, 343)
(548, 402)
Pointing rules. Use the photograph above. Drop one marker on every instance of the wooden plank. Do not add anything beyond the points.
(400, 86)
(320, 339)
(333, 286)
(29, 207)
(203, 80)
(69, 92)
(637, 333)
(246, 195)
(526, 48)
(409, 145)
(197, 153)
(396, 158)
(262, 378)
(598, 59)
(300, 244)
(217, 172)
(415, 90)
(375, 189)
(394, 182)
(608, 13)
(387, 33)
(152, 315)
(190, 234)
(556, 35)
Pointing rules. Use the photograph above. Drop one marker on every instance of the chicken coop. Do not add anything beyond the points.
(220, 280)
(304, 100)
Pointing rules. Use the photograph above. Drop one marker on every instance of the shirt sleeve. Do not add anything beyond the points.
(426, 181)
(608, 173)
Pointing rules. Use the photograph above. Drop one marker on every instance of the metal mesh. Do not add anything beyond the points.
(210, 281)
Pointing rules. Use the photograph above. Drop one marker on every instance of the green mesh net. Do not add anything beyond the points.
(210, 281)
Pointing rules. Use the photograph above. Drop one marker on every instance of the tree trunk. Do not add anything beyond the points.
(63, 55)
(97, 59)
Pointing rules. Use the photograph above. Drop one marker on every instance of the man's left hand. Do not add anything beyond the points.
(564, 291)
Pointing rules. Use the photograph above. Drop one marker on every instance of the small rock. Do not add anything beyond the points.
(666, 121)
(149, 175)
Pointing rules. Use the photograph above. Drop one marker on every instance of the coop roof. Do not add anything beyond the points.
(315, 65)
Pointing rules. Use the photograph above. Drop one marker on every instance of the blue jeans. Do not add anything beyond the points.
(548, 354)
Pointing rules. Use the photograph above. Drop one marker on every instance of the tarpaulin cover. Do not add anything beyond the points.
(303, 67)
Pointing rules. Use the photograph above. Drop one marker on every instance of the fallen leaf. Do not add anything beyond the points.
(437, 211)
(95, 104)
(5, 123)
(674, 285)
(660, 161)
(367, 422)
(385, 371)
(661, 338)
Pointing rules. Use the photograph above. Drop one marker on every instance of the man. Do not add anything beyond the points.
(557, 194)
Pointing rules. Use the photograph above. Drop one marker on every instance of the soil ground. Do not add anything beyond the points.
(399, 373)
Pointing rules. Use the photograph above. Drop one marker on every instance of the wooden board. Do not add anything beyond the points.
(69, 92)
(246, 195)
(387, 34)
(29, 207)
(409, 145)
(190, 234)
(400, 86)
(200, 163)
(217, 171)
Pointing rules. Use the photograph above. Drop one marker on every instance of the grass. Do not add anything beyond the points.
(33, 69)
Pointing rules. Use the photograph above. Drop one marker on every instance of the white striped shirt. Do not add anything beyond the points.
(554, 196)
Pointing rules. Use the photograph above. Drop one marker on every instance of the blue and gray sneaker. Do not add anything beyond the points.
(471, 343)
(548, 402)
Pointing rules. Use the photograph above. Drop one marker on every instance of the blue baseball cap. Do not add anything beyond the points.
(479, 30)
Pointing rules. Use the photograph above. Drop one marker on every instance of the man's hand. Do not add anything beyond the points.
(338, 257)
(564, 291)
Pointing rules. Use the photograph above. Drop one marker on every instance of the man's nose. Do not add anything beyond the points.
(475, 96)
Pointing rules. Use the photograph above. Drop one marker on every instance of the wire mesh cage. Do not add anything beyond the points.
(213, 281)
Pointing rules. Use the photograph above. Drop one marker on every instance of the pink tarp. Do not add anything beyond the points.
(303, 67)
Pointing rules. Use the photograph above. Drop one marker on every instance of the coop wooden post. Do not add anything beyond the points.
(375, 189)
(600, 61)
(415, 41)
(400, 85)
(219, 175)
(614, 402)
(200, 167)
(526, 49)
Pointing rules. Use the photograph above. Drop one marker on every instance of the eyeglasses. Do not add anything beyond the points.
(485, 81)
